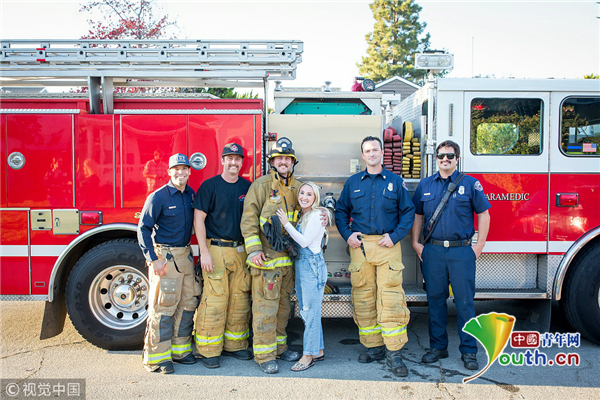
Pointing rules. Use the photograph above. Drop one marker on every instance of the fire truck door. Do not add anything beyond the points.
(505, 146)
(574, 168)
(39, 177)
(209, 133)
(40, 159)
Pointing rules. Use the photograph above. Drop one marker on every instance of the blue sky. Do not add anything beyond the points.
(536, 39)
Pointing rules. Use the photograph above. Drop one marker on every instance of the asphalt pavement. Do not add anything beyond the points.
(112, 374)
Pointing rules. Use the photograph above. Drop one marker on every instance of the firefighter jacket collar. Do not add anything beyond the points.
(277, 180)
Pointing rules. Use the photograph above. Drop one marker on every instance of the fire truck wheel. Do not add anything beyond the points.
(582, 293)
(107, 295)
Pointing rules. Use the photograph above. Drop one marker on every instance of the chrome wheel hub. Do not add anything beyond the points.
(119, 297)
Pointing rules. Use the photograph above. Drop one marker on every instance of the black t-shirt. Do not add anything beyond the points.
(223, 203)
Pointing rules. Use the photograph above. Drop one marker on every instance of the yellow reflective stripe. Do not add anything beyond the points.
(249, 241)
(273, 263)
(156, 358)
(369, 330)
(393, 331)
(281, 339)
(206, 340)
(264, 348)
(263, 220)
(252, 241)
(237, 335)
(181, 348)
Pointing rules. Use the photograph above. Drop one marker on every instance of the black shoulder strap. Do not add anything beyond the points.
(434, 218)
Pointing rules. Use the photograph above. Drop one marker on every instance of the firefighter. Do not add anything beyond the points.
(164, 233)
(382, 213)
(448, 256)
(272, 271)
(223, 318)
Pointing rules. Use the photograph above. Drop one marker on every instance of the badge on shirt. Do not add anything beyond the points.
(390, 187)
(461, 190)
(404, 185)
(478, 186)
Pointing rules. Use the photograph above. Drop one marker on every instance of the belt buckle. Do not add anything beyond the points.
(446, 243)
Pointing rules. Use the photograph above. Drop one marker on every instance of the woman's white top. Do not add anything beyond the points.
(312, 235)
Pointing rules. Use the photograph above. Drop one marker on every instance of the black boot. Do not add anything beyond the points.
(372, 354)
(269, 367)
(211, 362)
(394, 361)
(239, 354)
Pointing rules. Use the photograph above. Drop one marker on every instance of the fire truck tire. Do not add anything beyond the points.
(581, 299)
(106, 295)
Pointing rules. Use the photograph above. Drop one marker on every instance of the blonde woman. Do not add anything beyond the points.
(311, 272)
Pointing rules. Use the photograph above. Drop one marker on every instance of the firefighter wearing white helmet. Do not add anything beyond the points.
(272, 271)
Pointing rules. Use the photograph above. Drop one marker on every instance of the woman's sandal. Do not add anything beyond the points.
(321, 358)
(301, 367)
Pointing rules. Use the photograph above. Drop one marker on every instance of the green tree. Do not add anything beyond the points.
(394, 41)
(223, 93)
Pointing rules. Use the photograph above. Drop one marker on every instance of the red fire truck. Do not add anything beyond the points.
(79, 167)
(76, 169)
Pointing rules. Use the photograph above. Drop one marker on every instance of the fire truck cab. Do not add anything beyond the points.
(77, 168)
(535, 147)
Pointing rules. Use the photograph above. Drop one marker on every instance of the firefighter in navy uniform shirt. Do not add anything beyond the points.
(379, 204)
(448, 256)
(164, 234)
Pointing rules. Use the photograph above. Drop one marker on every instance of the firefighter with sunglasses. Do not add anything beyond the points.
(447, 252)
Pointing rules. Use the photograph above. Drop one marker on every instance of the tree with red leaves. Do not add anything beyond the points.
(127, 19)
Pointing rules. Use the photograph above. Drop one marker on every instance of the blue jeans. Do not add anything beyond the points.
(311, 276)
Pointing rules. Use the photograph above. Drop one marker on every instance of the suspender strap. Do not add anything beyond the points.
(431, 224)
(169, 257)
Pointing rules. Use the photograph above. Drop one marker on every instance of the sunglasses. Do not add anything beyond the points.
(450, 156)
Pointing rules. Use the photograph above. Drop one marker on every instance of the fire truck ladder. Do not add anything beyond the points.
(102, 65)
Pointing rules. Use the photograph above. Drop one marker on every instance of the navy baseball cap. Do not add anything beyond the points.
(233, 148)
(178, 159)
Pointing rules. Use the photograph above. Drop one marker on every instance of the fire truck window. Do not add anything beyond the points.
(580, 126)
(506, 126)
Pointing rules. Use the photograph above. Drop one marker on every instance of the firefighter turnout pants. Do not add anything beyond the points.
(172, 302)
(223, 317)
(379, 302)
(271, 308)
